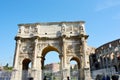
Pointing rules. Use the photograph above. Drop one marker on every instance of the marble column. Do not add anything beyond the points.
(64, 60)
(34, 67)
(64, 53)
(16, 70)
(40, 68)
(17, 54)
(86, 65)
(61, 66)
(35, 53)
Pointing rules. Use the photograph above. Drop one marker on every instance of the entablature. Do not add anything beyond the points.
(52, 29)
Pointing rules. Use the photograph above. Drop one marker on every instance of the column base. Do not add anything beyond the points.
(87, 74)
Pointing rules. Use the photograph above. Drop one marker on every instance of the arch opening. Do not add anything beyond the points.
(51, 63)
(52, 57)
(26, 66)
(76, 60)
(74, 68)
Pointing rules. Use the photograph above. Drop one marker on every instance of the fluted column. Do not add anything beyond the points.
(16, 71)
(34, 67)
(64, 53)
(40, 69)
(18, 42)
(61, 66)
(35, 53)
(64, 60)
(82, 61)
(86, 66)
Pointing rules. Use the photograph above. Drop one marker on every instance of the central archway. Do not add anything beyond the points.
(75, 68)
(52, 57)
(46, 50)
(48, 70)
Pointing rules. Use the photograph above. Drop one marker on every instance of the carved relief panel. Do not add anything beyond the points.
(40, 47)
(28, 29)
(73, 48)
(27, 47)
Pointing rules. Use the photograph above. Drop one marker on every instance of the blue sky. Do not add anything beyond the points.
(102, 19)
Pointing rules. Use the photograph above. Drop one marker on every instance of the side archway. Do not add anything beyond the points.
(75, 68)
(77, 60)
(26, 68)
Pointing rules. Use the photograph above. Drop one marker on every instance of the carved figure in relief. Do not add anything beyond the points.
(69, 49)
(26, 30)
(40, 46)
(75, 29)
(27, 48)
(63, 29)
(81, 27)
(82, 30)
(21, 29)
(34, 29)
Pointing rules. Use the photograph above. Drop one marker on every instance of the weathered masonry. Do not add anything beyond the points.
(34, 41)
(107, 57)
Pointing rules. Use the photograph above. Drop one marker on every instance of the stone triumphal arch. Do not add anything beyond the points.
(33, 41)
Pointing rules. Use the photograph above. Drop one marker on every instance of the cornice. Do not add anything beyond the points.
(51, 23)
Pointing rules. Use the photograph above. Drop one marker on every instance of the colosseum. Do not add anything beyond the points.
(106, 58)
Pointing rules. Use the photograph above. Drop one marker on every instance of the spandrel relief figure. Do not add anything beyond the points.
(69, 49)
(77, 48)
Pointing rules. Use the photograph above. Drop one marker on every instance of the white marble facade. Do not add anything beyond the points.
(33, 41)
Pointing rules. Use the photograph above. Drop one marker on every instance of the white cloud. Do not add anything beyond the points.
(107, 4)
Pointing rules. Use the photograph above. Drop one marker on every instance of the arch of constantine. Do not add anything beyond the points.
(34, 41)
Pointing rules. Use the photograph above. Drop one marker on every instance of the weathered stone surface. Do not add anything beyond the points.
(35, 40)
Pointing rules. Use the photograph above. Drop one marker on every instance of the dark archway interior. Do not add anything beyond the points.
(115, 68)
(25, 64)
